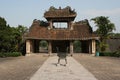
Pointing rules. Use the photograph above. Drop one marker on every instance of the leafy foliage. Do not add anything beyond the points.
(117, 53)
(10, 37)
(5, 35)
(114, 35)
(104, 28)
(43, 44)
(104, 25)
(77, 46)
(112, 54)
(10, 54)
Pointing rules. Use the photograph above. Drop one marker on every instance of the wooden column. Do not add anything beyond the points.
(49, 47)
(90, 47)
(71, 25)
(93, 47)
(31, 46)
(28, 45)
(37, 46)
(71, 48)
(51, 24)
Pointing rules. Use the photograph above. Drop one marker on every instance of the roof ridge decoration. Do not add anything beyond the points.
(40, 23)
(66, 12)
(68, 8)
(85, 21)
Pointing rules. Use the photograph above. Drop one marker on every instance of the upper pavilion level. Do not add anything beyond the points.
(63, 15)
(60, 18)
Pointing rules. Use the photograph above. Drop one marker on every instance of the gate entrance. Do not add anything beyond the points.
(60, 31)
(62, 45)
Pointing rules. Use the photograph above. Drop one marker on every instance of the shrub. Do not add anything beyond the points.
(117, 54)
(10, 54)
(112, 54)
(2, 54)
(106, 53)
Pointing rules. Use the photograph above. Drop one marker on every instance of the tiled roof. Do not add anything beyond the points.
(60, 13)
(80, 32)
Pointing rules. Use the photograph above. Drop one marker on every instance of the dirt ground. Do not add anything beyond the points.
(20, 68)
(104, 68)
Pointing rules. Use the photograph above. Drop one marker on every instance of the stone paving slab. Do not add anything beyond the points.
(72, 71)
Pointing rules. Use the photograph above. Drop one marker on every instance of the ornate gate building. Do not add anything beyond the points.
(60, 32)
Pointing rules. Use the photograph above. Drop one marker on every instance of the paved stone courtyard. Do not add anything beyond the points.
(72, 71)
(25, 68)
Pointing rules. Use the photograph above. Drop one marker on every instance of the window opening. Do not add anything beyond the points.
(60, 25)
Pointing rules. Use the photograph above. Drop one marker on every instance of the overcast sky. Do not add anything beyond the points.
(24, 11)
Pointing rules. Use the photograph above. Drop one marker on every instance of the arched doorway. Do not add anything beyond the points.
(39, 46)
(77, 46)
(43, 46)
(81, 46)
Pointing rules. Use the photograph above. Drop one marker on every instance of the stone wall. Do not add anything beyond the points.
(113, 44)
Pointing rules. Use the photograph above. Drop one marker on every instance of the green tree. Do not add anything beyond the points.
(10, 37)
(5, 33)
(18, 33)
(77, 46)
(104, 28)
(3, 23)
(43, 44)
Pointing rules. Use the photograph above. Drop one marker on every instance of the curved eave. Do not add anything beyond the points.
(60, 18)
(85, 38)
